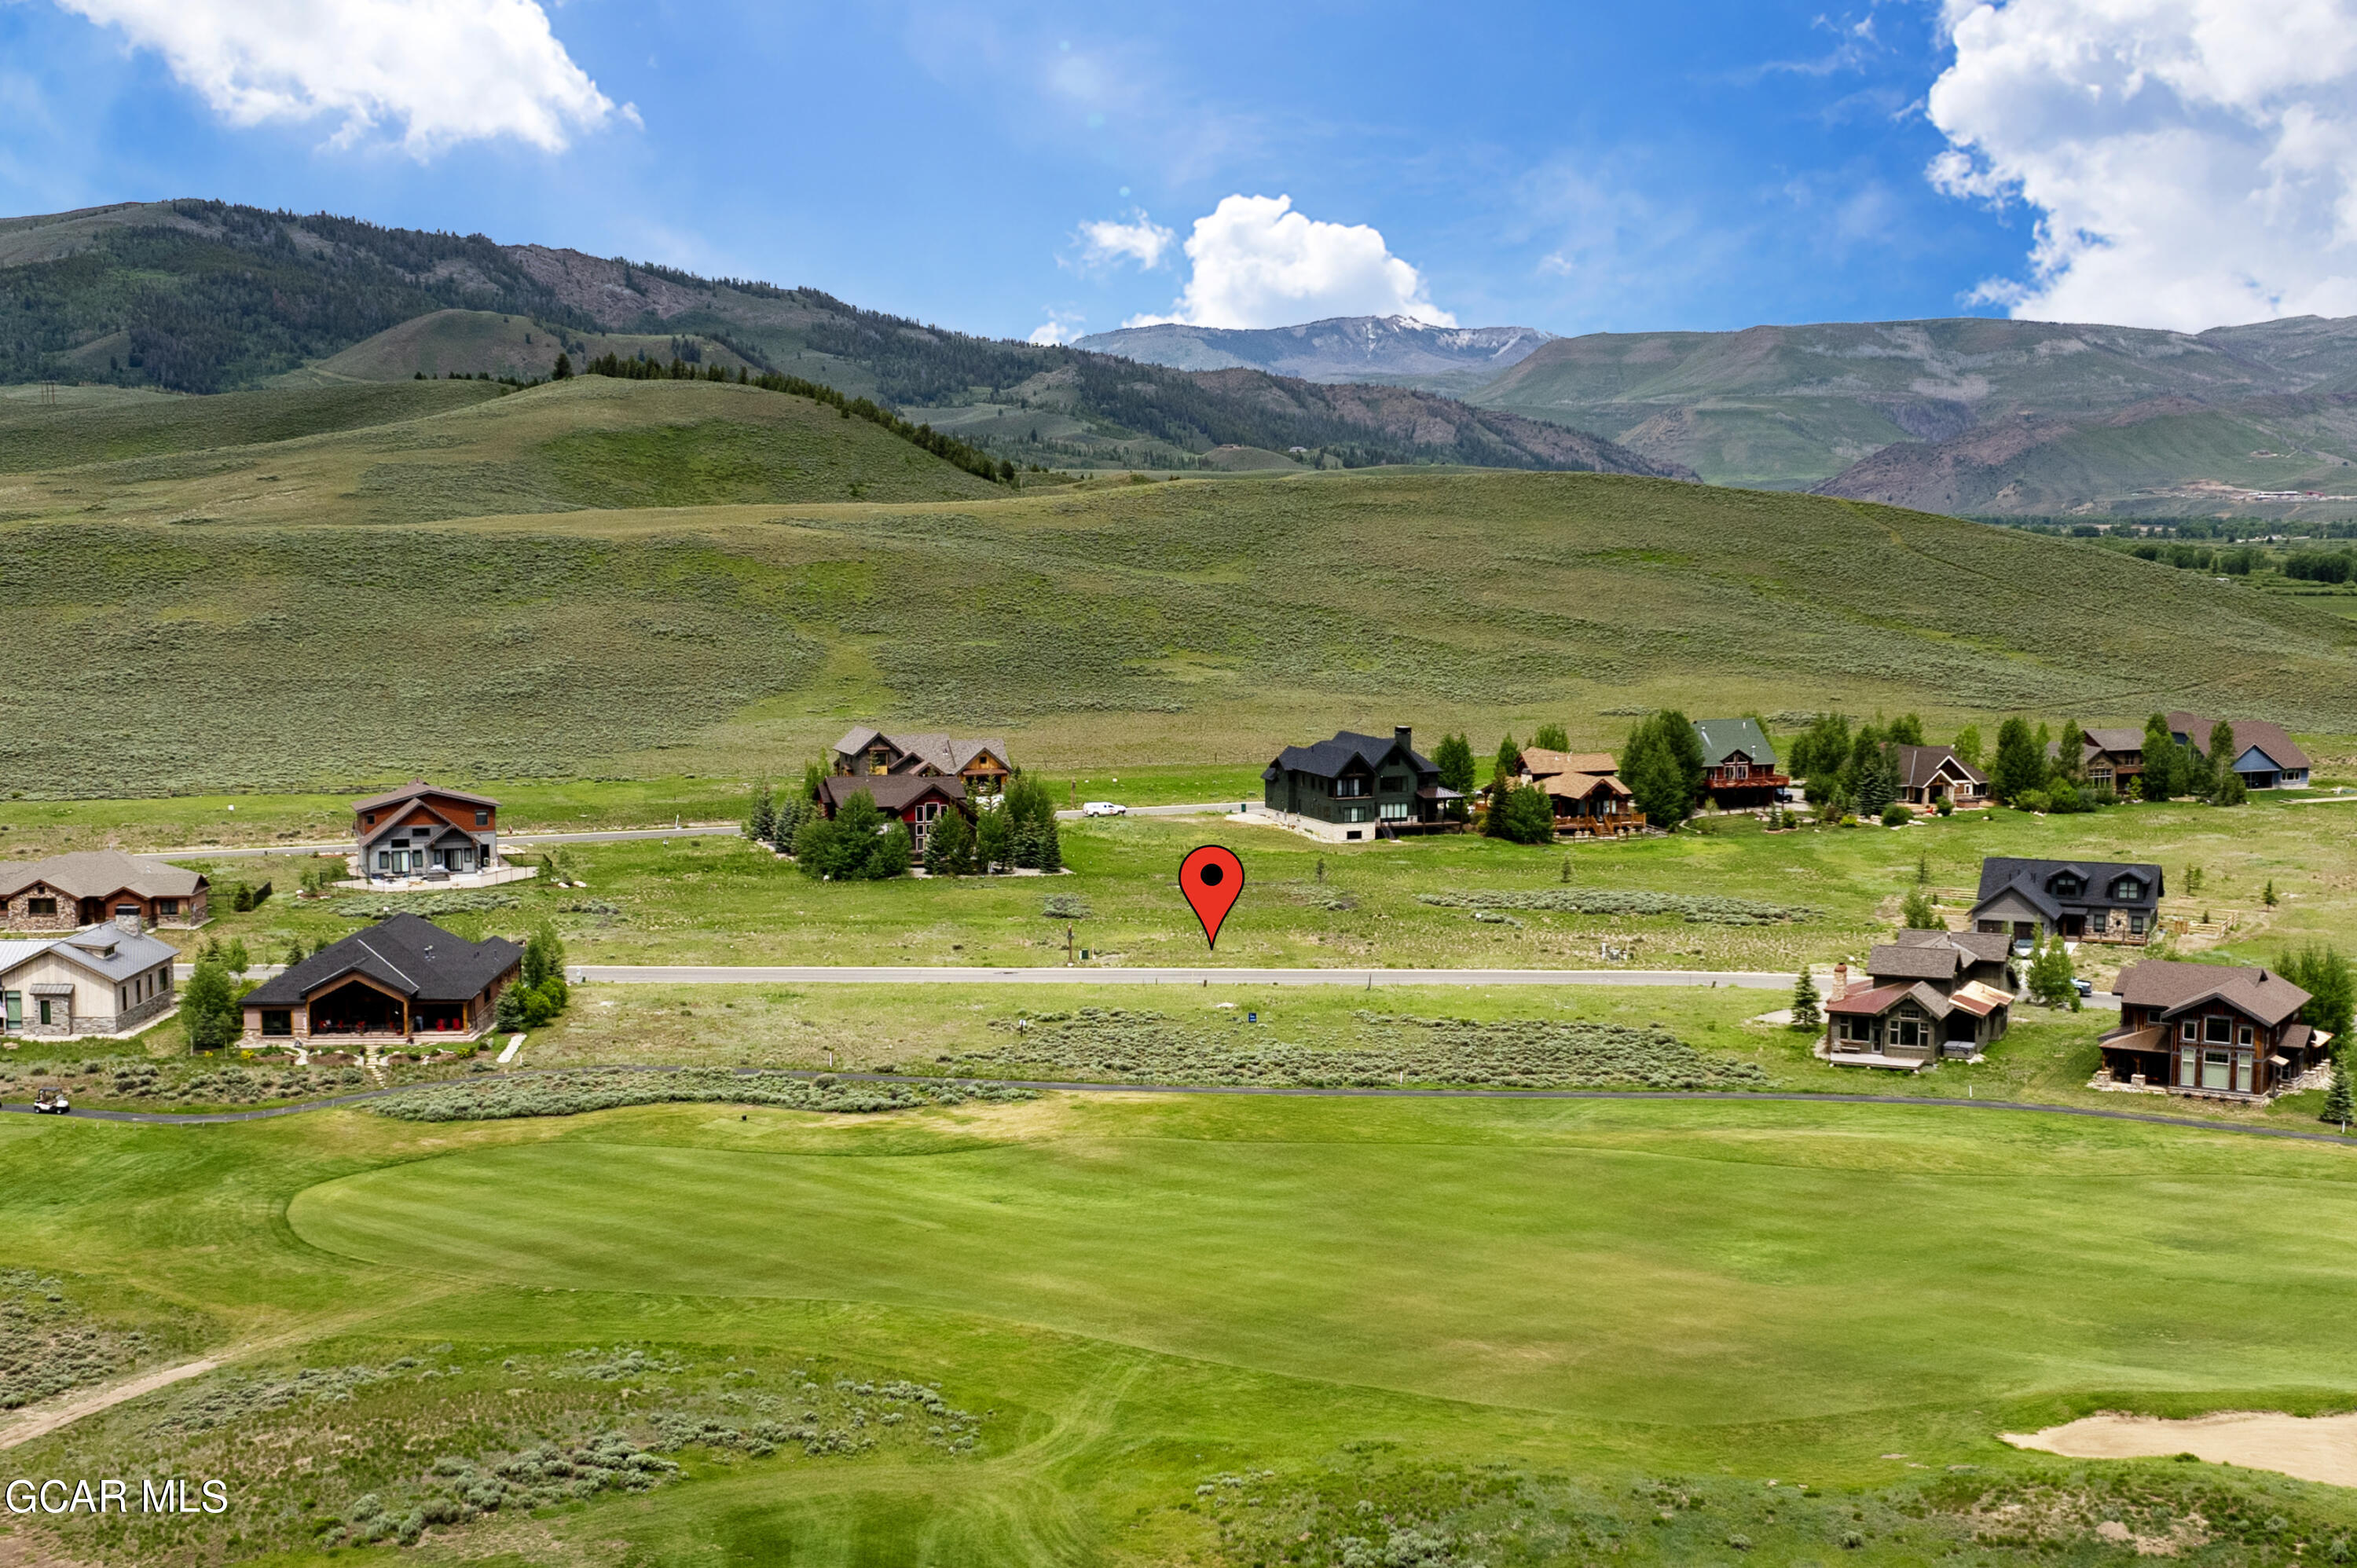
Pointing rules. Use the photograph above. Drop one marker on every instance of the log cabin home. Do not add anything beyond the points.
(88, 887)
(2224, 1031)
(404, 981)
(1930, 774)
(1357, 787)
(112, 979)
(1586, 790)
(981, 765)
(2078, 900)
(1928, 996)
(422, 830)
(918, 800)
(1738, 764)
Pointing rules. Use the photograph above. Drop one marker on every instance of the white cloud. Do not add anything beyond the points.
(1141, 239)
(430, 73)
(1257, 262)
(1061, 327)
(2193, 162)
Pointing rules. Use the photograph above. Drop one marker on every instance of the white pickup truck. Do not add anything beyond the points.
(1103, 808)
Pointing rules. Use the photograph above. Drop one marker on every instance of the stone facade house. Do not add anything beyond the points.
(981, 765)
(402, 980)
(69, 892)
(2079, 900)
(112, 979)
(2223, 1031)
(1928, 995)
(422, 830)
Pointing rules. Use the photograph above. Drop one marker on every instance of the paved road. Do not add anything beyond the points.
(2324, 800)
(1202, 809)
(1059, 974)
(2092, 1112)
(509, 841)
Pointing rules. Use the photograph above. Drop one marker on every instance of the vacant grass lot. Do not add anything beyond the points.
(1196, 1331)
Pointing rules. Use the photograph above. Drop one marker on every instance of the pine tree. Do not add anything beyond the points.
(1529, 815)
(564, 366)
(1550, 737)
(2160, 779)
(2051, 975)
(949, 845)
(761, 824)
(1806, 1014)
(544, 955)
(1510, 760)
(1968, 746)
(2339, 1106)
(1918, 913)
(2018, 768)
(1905, 730)
(208, 1009)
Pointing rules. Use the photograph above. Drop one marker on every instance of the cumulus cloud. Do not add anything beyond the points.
(1141, 239)
(2192, 162)
(1061, 327)
(1256, 263)
(429, 73)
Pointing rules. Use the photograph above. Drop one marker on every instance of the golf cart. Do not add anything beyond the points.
(51, 1098)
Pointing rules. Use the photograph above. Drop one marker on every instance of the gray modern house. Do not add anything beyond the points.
(1356, 787)
(2079, 900)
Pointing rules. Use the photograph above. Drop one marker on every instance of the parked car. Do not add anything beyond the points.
(2084, 987)
(50, 1100)
(1103, 808)
(2023, 947)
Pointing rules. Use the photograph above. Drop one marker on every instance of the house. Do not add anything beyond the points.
(1739, 765)
(68, 892)
(1356, 787)
(2083, 900)
(1930, 774)
(1928, 994)
(2265, 755)
(1585, 789)
(981, 766)
(918, 800)
(2112, 758)
(422, 830)
(2216, 1029)
(109, 980)
(402, 979)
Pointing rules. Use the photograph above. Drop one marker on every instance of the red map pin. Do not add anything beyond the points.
(1213, 878)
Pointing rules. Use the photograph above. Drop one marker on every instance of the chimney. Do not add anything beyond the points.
(1841, 983)
(1400, 734)
(130, 925)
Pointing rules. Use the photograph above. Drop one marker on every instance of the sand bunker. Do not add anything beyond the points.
(2314, 1448)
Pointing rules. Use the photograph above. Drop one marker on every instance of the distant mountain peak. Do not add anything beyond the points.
(1341, 348)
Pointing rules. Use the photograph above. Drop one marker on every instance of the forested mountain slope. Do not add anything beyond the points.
(203, 297)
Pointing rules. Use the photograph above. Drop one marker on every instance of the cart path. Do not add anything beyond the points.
(45, 1418)
(2094, 1113)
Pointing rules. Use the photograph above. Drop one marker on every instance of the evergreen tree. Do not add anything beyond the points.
(1917, 913)
(1662, 765)
(1806, 1012)
(1878, 782)
(2340, 1105)
(1968, 746)
(2069, 754)
(1528, 816)
(2326, 976)
(294, 954)
(2230, 791)
(994, 839)
(1905, 730)
(2018, 767)
(1453, 757)
(1510, 760)
(2201, 775)
(2222, 752)
(838, 849)
(564, 366)
(1552, 738)
(509, 1013)
(208, 1009)
(544, 955)
(949, 845)
(761, 823)
(1501, 788)
(1051, 848)
(888, 856)
(2159, 780)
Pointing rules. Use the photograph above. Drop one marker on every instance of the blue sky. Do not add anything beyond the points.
(1576, 167)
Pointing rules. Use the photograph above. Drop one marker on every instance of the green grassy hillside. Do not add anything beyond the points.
(595, 576)
(484, 342)
(74, 426)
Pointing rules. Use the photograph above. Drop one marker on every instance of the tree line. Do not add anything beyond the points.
(1015, 831)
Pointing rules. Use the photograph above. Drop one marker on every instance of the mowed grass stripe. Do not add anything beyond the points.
(1709, 1277)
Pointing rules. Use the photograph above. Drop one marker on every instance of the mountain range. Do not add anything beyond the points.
(204, 296)
(1393, 348)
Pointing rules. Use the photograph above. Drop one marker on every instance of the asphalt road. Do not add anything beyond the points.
(1059, 974)
(1203, 809)
(508, 841)
(2092, 1112)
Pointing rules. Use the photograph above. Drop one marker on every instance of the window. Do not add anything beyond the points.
(2217, 1069)
(2066, 886)
(2243, 1035)
(1351, 789)
(45, 1011)
(2184, 1066)
(1990, 928)
(41, 906)
(168, 906)
(2217, 1030)
(369, 821)
(1357, 813)
(12, 1008)
(2190, 1032)
(1858, 1030)
(482, 818)
(1395, 783)
(384, 860)
(1394, 811)
(2129, 890)
(1738, 770)
(2135, 925)
(1907, 1030)
(277, 1021)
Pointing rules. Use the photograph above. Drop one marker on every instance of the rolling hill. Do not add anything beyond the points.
(205, 296)
(613, 578)
(1393, 348)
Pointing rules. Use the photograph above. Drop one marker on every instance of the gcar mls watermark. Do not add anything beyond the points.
(24, 1495)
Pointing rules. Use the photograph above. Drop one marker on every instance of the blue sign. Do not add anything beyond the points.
(1252, 1017)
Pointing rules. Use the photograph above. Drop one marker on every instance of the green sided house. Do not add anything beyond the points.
(1355, 787)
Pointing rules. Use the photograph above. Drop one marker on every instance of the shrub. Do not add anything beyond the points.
(2031, 800)
(1918, 913)
(604, 1089)
(1896, 815)
(1528, 816)
(1946, 808)
(1697, 908)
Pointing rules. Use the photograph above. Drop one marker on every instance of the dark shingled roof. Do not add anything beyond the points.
(1999, 871)
(1918, 766)
(2260, 992)
(1327, 758)
(407, 954)
(2248, 732)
